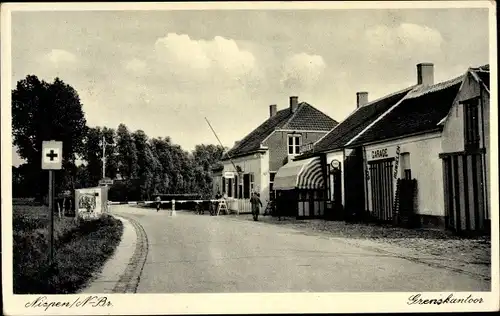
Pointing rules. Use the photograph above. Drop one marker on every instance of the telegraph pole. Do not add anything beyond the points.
(103, 157)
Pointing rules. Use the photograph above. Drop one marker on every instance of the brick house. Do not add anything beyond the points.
(253, 162)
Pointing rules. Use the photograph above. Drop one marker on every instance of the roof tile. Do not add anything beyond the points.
(420, 111)
(357, 122)
(306, 117)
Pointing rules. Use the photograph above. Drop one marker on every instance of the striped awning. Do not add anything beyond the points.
(301, 174)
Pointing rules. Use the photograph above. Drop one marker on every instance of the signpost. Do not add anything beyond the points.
(51, 160)
(105, 182)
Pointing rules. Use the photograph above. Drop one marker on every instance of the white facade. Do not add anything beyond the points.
(421, 155)
(256, 164)
(453, 131)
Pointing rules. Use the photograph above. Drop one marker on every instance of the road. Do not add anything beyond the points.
(190, 253)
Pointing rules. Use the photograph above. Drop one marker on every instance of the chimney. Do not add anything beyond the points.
(236, 143)
(361, 98)
(425, 74)
(272, 110)
(294, 103)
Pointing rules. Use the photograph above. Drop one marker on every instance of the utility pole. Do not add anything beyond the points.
(103, 157)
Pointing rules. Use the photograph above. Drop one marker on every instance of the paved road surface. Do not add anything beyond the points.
(203, 254)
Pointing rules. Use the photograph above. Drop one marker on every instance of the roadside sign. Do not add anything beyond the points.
(104, 182)
(228, 175)
(51, 155)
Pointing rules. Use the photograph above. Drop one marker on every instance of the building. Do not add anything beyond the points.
(404, 144)
(418, 156)
(465, 146)
(433, 146)
(344, 167)
(252, 163)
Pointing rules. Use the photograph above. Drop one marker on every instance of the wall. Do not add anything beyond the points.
(453, 133)
(336, 155)
(278, 146)
(426, 168)
(216, 183)
(256, 163)
(488, 175)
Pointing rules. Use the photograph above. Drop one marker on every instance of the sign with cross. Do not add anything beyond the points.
(51, 155)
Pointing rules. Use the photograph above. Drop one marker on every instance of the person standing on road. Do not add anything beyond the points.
(256, 204)
(158, 203)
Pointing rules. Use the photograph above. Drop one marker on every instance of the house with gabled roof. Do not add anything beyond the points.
(401, 150)
(425, 158)
(344, 167)
(419, 156)
(253, 161)
(465, 155)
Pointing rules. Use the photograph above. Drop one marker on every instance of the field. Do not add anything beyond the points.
(81, 249)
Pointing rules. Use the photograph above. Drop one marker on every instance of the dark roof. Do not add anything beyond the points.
(306, 117)
(420, 111)
(357, 122)
(483, 73)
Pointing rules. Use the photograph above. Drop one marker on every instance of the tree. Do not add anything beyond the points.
(93, 155)
(146, 162)
(205, 157)
(126, 153)
(47, 111)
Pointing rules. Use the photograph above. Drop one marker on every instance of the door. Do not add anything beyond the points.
(354, 183)
(382, 188)
(465, 205)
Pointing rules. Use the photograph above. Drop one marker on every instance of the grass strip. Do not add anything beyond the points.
(81, 249)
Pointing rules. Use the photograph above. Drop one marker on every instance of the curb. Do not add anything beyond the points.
(129, 280)
(113, 268)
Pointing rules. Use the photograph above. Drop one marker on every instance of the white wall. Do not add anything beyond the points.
(258, 164)
(336, 155)
(426, 168)
(453, 139)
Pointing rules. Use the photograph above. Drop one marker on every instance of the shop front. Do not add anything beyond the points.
(300, 189)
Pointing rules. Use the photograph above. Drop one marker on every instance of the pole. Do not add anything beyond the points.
(51, 214)
(103, 157)
(221, 145)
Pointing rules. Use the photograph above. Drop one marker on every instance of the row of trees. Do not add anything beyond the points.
(146, 166)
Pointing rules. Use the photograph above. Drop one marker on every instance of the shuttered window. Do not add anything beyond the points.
(471, 119)
(246, 186)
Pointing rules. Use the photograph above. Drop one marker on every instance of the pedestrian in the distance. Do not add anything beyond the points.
(256, 204)
(158, 203)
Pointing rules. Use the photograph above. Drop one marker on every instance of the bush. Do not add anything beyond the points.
(81, 249)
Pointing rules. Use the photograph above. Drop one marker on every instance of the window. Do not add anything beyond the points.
(405, 166)
(251, 182)
(247, 185)
(223, 185)
(272, 194)
(294, 142)
(471, 124)
(230, 187)
(236, 186)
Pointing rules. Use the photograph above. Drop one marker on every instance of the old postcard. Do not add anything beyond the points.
(249, 158)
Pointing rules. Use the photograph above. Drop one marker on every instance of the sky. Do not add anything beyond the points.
(164, 71)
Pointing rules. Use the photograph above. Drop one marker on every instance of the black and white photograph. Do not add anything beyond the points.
(249, 157)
